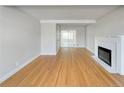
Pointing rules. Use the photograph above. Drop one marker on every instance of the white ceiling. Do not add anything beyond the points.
(67, 12)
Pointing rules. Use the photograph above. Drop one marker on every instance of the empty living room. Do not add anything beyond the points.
(62, 46)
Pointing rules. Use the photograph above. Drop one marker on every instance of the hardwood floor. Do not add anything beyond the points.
(71, 67)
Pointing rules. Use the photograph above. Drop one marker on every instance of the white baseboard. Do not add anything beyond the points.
(12, 72)
(48, 53)
(90, 50)
(75, 47)
(79, 46)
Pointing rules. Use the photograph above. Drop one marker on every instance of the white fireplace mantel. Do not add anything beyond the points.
(116, 45)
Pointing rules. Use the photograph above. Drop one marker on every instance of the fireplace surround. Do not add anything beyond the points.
(109, 53)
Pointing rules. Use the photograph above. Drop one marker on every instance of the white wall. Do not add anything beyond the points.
(110, 25)
(19, 39)
(48, 38)
(80, 33)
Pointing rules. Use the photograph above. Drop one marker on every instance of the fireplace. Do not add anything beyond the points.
(105, 55)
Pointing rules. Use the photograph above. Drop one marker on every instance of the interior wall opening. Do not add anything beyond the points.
(72, 35)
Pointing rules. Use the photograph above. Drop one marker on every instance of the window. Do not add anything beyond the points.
(64, 35)
(68, 38)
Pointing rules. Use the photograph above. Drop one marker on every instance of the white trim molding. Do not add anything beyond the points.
(69, 21)
(48, 53)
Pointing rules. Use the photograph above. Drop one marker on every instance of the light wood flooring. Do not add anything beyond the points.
(72, 67)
